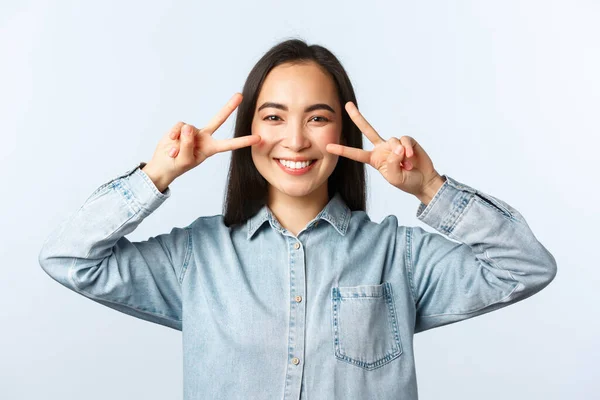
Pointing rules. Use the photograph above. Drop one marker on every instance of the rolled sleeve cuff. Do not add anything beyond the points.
(138, 189)
(446, 206)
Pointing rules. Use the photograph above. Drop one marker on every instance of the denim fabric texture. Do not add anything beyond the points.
(327, 314)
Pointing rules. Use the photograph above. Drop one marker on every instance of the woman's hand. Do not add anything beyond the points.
(185, 146)
(402, 162)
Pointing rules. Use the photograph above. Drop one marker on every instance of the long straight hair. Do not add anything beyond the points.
(247, 189)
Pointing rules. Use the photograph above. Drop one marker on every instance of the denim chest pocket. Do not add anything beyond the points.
(365, 326)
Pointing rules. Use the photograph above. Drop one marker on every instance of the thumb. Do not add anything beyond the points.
(394, 159)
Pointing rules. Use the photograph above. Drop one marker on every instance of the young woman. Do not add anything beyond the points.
(294, 292)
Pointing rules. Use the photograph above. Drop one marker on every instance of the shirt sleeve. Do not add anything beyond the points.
(89, 254)
(492, 261)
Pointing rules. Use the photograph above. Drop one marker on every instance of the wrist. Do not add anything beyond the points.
(161, 182)
(431, 188)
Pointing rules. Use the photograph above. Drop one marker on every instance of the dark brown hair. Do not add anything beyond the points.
(247, 190)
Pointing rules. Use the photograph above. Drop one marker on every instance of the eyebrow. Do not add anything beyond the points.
(319, 106)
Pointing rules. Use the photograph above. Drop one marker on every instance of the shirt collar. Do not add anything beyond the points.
(336, 212)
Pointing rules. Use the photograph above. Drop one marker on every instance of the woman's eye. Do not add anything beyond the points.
(272, 118)
(319, 119)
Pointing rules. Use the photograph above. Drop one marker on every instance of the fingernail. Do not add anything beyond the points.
(398, 149)
(172, 152)
(187, 130)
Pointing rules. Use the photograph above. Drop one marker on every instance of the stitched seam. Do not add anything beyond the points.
(477, 309)
(387, 298)
(435, 199)
(334, 320)
(393, 318)
(408, 263)
(130, 200)
(460, 209)
(372, 365)
(145, 311)
(151, 185)
(346, 222)
(288, 378)
(188, 255)
(80, 290)
(88, 294)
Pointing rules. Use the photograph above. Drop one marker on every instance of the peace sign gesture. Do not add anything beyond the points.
(402, 162)
(185, 146)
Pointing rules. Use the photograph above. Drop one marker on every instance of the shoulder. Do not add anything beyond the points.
(213, 225)
(208, 220)
(361, 223)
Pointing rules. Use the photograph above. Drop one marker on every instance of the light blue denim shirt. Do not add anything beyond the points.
(327, 314)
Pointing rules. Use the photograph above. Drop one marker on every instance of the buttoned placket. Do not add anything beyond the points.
(297, 318)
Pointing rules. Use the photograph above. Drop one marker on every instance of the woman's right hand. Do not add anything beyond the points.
(185, 147)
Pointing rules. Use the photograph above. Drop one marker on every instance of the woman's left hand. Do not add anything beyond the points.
(402, 162)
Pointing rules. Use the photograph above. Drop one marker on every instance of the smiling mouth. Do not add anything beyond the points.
(295, 165)
(290, 167)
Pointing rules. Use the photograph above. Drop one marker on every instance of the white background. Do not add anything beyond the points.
(503, 95)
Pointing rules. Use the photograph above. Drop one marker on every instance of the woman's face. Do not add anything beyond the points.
(297, 114)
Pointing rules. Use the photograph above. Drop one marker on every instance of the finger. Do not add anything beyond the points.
(222, 115)
(362, 123)
(394, 143)
(394, 161)
(235, 143)
(352, 153)
(399, 155)
(188, 141)
(399, 149)
(184, 128)
(175, 130)
(173, 151)
(409, 143)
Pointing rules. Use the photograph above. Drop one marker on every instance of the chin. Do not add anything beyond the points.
(296, 189)
(295, 192)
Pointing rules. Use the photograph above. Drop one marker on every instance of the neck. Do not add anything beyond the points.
(294, 212)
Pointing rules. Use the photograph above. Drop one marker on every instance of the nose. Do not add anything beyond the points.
(295, 138)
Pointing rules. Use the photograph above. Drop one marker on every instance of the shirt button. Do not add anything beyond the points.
(298, 299)
(297, 245)
(295, 361)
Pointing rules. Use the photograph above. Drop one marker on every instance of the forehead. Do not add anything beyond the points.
(298, 84)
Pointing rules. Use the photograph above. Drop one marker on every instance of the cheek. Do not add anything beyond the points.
(259, 147)
(266, 138)
(329, 135)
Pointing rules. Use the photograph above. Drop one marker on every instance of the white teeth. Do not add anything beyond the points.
(295, 165)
